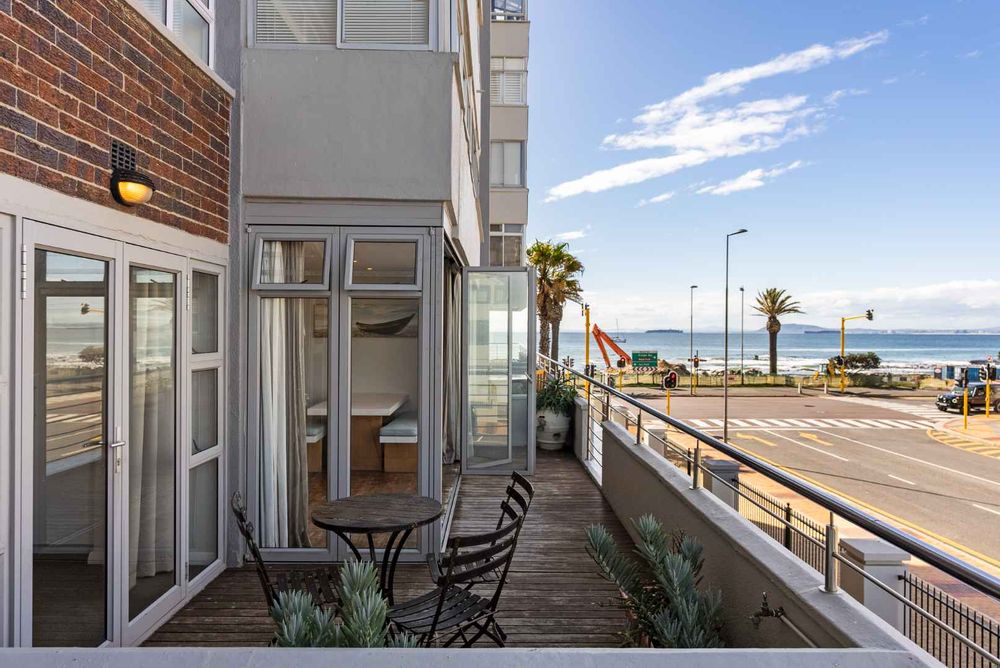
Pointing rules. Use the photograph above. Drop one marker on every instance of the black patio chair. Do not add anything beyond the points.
(520, 493)
(320, 583)
(453, 612)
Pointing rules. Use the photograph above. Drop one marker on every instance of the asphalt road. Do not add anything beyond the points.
(880, 453)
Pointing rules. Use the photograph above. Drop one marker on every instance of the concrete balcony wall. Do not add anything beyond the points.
(348, 123)
(740, 559)
(508, 123)
(508, 205)
(509, 38)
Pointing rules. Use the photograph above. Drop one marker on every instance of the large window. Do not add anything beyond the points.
(508, 81)
(506, 245)
(509, 10)
(193, 22)
(296, 21)
(507, 163)
(385, 23)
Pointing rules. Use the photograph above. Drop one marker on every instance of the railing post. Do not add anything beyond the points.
(788, 526)
(688, 461)
(696, 468)
(638, 428)
(830, 585)
(607, 406)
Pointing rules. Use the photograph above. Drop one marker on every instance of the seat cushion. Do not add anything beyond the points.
(404, 424)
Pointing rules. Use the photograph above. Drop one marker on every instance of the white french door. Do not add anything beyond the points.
(100, 460)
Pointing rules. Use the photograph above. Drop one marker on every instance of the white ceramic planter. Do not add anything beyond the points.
(553, 430)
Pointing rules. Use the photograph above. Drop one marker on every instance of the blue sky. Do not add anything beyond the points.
(858, 142)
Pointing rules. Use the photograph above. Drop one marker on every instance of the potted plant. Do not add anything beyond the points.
(555, 408)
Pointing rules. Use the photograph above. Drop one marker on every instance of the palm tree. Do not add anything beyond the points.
(773, 303)
(558, 282)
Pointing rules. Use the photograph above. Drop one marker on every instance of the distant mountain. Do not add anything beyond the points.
(796, 328)
(664, 331)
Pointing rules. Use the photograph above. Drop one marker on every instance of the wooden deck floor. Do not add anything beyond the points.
(554, 596)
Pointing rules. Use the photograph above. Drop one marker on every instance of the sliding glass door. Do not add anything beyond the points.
(499, 366)
(74, 434)
(108, 533)
(151, 467)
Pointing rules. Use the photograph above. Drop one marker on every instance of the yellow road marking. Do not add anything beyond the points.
(967, 444)
(751, 437)
(814, 437)
(875, 509)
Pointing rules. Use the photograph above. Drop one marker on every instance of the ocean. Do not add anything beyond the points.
(800, 353)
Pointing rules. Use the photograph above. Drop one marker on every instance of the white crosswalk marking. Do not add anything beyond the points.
(926, 410)
(712, 424)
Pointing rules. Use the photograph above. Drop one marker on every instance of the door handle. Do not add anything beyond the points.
(116, 444)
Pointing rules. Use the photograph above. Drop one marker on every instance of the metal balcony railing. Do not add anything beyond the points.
(969, 641)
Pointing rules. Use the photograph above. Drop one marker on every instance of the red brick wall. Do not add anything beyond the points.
(75, 74)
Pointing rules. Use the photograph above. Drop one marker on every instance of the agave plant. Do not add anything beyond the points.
(362, 619)
(663, 598)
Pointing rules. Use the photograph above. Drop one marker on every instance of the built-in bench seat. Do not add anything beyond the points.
(398, 437)
(315, 435)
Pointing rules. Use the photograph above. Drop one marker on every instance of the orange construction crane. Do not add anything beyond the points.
(602, 340)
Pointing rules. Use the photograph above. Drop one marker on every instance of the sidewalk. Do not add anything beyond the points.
(980, 428)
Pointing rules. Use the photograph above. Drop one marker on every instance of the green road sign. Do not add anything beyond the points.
(645, 358)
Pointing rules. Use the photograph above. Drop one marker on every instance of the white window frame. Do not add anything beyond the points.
(523, 16)
(523, 166)
(349, 283)
(253, 42)
(504, 73)
(432, 33)
(507, 230)
(206, 362)
(323, 286)
(206, 8)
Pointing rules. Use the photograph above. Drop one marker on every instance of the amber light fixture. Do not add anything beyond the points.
(130, 187)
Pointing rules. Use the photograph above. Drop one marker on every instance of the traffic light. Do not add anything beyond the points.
(984, 373)
(670, 380)
(621, 362)
(839, 360)
(696, 361)
(870, 314)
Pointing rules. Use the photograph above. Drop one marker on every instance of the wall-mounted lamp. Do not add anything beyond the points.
(128, 185)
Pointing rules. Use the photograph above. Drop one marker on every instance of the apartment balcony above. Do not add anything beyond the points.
(508, 205)
(509, 38)
(350, 123)
(508, 122)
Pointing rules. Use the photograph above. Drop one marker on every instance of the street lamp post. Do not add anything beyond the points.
(691, 344)
(868, 315)
(725, 363)
(742, 316)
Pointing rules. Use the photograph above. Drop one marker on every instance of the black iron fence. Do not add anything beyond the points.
(943, 646)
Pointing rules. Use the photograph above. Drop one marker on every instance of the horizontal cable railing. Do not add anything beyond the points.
(818, 545)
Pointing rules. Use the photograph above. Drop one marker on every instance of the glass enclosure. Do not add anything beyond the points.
(499, 371)
(70, 550)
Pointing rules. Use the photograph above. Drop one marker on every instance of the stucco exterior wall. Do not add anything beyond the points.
(509, 38)
(347, 123)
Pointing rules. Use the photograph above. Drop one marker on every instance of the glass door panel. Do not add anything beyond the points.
(499, 370)
(152, 452)
(385, 396)
(71, 412)
(294, 420)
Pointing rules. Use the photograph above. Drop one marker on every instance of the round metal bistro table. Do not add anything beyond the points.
(394, 514)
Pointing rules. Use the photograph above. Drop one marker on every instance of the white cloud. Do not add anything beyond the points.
(833, 98)
(696, 135)
(658, 199)
(890, 81)
(571, 235)
(969, 55)
(921, 21)
(755, 178)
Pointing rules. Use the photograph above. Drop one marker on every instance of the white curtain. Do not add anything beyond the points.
(152, 425)
(284, 478)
